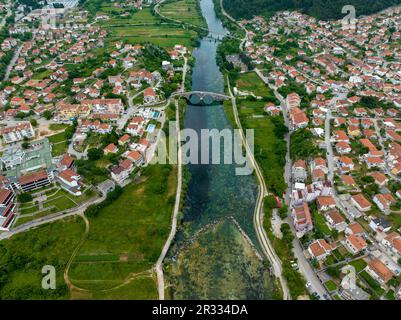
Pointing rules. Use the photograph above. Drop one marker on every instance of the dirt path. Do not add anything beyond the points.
(81, 242)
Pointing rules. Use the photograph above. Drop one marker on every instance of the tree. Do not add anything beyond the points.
(33, 122)
(333, 271)
(25, 145)
(95, 154)
(47, 114)
(24, 197)
(270, 202)
(283, 211)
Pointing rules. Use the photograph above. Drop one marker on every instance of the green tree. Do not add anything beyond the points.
(95, 154)
(270, 202)
(33, 122)
(47, 114)
(24, 197)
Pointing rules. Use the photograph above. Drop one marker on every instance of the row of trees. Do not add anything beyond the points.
(321, 9)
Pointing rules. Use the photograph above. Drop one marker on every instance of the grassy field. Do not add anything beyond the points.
(59, 144)
(23, 256)
(140, 288)
(58, 126)
(161, 35)
(142, 26)
(183, 10)
(141, 17)
(250, 82)
(372, 283)
(359, 265)
(320, 223)
(269, 150)
(330, 285)
(130, 232)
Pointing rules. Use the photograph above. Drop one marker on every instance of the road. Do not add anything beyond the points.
(267, 247)
(159, 263)
(15, 57)
(12, 62)
(132, 109)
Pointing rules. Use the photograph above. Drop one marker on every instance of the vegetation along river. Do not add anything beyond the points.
(215, 255)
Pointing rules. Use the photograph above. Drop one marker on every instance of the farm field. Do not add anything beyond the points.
(183, 10)
(161, 35)
(143, 26)
(250, 82)
(144, 16)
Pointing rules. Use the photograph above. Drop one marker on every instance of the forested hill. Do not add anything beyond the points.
(321, 9)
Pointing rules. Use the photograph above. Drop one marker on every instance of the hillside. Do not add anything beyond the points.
(321, 9)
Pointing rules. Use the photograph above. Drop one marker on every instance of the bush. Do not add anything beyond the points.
(283, 211)
(95, 154)
(24, 197)
(270, 202)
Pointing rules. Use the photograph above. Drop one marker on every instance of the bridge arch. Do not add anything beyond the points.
(201, 97)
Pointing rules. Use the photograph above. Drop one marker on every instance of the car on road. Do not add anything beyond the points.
(316, 296)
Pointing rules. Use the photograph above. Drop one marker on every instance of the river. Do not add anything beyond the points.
(211, 257)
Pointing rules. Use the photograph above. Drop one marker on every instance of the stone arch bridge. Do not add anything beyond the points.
(201, 97)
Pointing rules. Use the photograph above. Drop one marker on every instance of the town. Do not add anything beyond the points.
(88, 91)
(72, 132)
(339, 91)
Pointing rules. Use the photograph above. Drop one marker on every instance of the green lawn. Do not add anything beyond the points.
(42, 75)
(23, 256)
(320, 223)
(330, 285)
(183, 10)
(28, 210)
(133, 228)
(60, 203)
(372, 283)
(250, 82)
(269, 148)
(359, 264)
(59, 143)
(56, 138)
(58, 126)
(59, 148)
